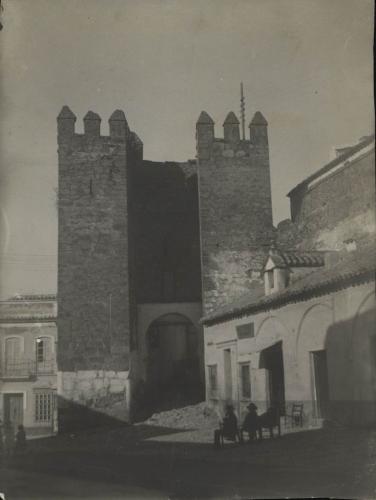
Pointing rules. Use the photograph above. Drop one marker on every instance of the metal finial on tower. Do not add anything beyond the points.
(242, 110)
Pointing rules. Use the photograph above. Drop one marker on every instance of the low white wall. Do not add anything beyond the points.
(342, 323)
(98, 390)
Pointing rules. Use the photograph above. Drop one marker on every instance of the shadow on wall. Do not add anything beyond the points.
(172, 366)
(351, 361)
(74, 416)
(147, 401)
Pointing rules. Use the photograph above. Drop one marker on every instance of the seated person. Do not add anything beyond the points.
(230, 424)
(251, 423)
(229, 427)
(20, 439)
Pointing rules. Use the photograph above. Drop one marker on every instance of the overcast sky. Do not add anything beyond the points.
(306, 64)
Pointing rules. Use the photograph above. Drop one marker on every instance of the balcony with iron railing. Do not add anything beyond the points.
(28, 369)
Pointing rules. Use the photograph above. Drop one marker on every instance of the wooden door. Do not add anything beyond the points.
(13, 409)
(272, 360)
(320, 383)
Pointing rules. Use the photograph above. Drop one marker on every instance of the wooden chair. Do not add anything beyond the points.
(252, 436)
(295, 415)
(269, 420)
(219, 437)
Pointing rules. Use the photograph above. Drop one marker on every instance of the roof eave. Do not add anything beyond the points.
(337, 161)
(292, 297)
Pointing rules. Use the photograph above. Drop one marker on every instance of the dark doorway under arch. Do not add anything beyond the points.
(271, 359)
(173, 363)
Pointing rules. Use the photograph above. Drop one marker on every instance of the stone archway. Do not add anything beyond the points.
(314, 360)
(362, 362)
(173, 362)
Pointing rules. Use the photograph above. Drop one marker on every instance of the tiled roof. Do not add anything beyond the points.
(365, 141)
(242, 302)
(25, 318)
(298, 259)
(354, 268)
(29, 297)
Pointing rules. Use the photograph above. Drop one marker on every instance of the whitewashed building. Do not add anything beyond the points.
(28, 376)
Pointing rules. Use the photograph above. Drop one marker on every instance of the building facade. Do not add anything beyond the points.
(28, 369)
(236, 226)
(148, 248)
(309, 336)
(133, 238)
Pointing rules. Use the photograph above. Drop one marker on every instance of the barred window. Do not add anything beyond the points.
(43, 406)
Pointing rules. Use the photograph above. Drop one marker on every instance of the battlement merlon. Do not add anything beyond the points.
(258, 131)
(119, 131)
(66, 124)
(231, 144)
(137, 145)
(231, 131)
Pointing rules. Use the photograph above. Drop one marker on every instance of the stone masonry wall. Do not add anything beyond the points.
(96, 389)
(165, 210)
(94, 296)
(235, 208)
(337, 208)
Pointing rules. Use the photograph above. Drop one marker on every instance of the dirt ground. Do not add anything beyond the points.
(177, 460)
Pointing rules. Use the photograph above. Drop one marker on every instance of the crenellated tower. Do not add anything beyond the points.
(96, 304)
(235, 207)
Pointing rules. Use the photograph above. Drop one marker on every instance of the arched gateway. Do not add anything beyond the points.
(173, 362)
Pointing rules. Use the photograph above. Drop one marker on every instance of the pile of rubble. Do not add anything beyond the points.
(198, 416)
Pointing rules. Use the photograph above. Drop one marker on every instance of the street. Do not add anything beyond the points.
(20, 485)
(152, 462)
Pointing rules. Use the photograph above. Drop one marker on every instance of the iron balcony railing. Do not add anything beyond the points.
(27, 368)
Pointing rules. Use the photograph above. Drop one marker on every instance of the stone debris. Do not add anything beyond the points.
(189, 417)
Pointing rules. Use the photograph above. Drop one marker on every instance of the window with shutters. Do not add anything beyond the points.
(13, 356)
(44, 348)
(44, 354)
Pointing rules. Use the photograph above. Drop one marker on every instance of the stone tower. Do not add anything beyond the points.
(96, 302)
(235, 207)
